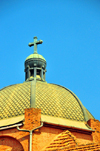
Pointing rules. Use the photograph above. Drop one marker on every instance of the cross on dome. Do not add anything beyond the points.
(35, 43)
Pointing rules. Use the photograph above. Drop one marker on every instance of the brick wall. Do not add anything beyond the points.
(82, 138)
(14, 140)
(10, 144)
(40, 138)
(32, 118)
(95, 125)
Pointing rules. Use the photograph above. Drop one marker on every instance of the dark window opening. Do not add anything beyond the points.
(38, 72)
(32, 72)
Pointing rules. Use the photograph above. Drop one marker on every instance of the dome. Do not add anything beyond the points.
(58, 104)
(36, 56)
(53, 100)
(35, 60)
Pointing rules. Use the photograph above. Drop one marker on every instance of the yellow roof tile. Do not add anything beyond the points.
(53, 100)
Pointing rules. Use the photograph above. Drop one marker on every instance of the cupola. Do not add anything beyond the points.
(35, 64)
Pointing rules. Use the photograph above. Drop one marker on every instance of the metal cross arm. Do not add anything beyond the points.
(38, 42)
(35, 43)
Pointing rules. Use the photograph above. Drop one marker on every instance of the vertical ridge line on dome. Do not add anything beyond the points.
(33, 91)
(88, 112)
(79, 102)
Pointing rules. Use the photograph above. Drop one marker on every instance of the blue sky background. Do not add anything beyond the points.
(70, 30)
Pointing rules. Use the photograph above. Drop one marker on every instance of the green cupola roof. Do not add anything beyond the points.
(35, 55)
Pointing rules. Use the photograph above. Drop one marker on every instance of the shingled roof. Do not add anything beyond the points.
(67, 142)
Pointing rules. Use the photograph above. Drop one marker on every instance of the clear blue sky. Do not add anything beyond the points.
(70, 30)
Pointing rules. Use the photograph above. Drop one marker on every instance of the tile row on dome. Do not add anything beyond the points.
(14, 99)
(57, 101)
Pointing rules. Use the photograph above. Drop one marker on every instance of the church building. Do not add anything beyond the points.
(39, 116)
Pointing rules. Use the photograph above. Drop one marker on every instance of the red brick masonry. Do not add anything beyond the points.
(48, 138)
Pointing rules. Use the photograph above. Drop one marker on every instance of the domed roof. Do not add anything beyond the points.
(58, 104)
(53, 100)
(36, 56)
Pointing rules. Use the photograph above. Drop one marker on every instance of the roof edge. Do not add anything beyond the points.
(80, 103)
